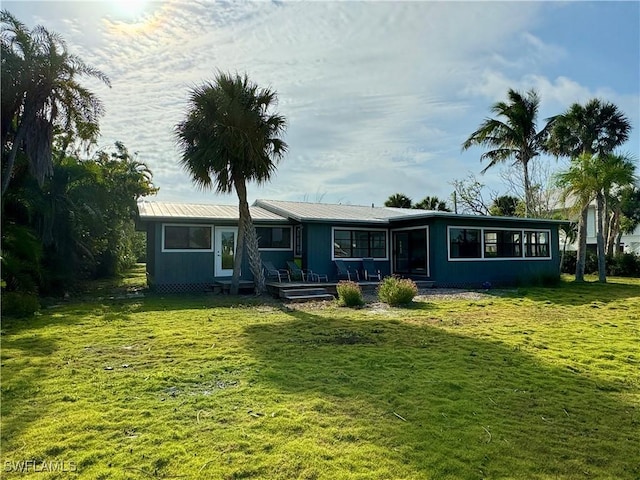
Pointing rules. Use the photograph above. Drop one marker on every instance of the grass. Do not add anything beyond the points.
(534, 384)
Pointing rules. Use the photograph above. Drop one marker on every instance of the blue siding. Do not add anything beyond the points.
(473, 273)
(195, 269)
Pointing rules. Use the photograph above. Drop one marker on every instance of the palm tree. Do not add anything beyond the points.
(432, 203)
(577, 184)
(398, 200)
(41, 94)
(227, 139)
(612, 171)
(596, 128)
(513, 135)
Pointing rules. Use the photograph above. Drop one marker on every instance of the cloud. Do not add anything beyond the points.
(379, 96)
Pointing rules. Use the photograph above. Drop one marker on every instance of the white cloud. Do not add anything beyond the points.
(379, 96)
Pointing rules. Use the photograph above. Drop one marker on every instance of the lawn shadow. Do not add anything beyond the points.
(448, 405)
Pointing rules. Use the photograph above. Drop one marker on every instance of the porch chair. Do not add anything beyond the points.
(344, 271)
(297, 272)
(271, 272)
(370, 271)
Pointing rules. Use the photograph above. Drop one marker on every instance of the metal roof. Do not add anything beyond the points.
(186, 211)
(282, 211)
(305, 211)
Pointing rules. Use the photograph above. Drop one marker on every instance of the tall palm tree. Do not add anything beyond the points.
(227, 139)
(40, 94)
(596, 128)
(512, 136)
(398, 200)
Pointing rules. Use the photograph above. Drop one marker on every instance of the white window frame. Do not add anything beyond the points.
(290, 249)
(482, 258)
(386, 243)
(186, 250)
(425, 227)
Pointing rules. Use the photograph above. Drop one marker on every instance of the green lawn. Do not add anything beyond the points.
(534, 383)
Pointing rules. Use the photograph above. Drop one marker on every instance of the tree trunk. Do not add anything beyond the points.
(581, 257)
(11, 160)
(255, 260)
(564, 252)
(527, 190)
(614, 228)
(243, 210)
(602, 263)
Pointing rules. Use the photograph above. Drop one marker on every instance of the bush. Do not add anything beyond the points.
(15, 304)
(624, 265)
(349, 294)
(620, 265)
(397, 291)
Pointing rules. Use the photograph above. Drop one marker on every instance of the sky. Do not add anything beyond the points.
(378, 96)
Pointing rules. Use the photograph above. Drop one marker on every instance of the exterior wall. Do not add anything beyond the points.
(188, 271)
(318, 250)
(184, 271)
(474, 273)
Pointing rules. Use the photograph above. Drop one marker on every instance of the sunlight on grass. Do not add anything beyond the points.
(529, 383)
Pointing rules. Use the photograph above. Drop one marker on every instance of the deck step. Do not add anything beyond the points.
(305, 294)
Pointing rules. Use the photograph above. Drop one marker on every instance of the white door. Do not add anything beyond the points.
(225, 248)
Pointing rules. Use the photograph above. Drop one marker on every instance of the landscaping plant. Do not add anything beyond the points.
(397, 291)
(349, 294)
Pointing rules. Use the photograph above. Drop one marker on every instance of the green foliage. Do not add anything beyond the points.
(21, 255)
(349, 294)
(506, 206)
(621, 264)
(432, 203)
(17, 304)
(624, 265)
(397, 291)
(398, 200)
(81, 220)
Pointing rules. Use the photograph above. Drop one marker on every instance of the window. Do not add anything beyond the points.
(498, 243)
(536, 244)
(502, 243)
(274, 238)
(359, 243)
(187, 237)
(465, 243)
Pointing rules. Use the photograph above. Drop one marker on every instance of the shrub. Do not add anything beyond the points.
(349, 294)
(397, 291)
(16, 304)
(624, 265)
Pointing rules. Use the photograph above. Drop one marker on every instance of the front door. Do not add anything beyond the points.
(410, 252)
(225, 248)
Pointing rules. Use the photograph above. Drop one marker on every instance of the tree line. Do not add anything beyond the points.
(67, 214)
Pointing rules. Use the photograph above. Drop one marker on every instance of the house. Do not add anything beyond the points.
(629, 242)
(191, 246)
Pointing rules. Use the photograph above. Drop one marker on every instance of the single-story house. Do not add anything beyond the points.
(189, 247)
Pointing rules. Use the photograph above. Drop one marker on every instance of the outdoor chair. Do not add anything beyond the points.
(370, 271)
(270, 272)
(345, 272)
(299, 273)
